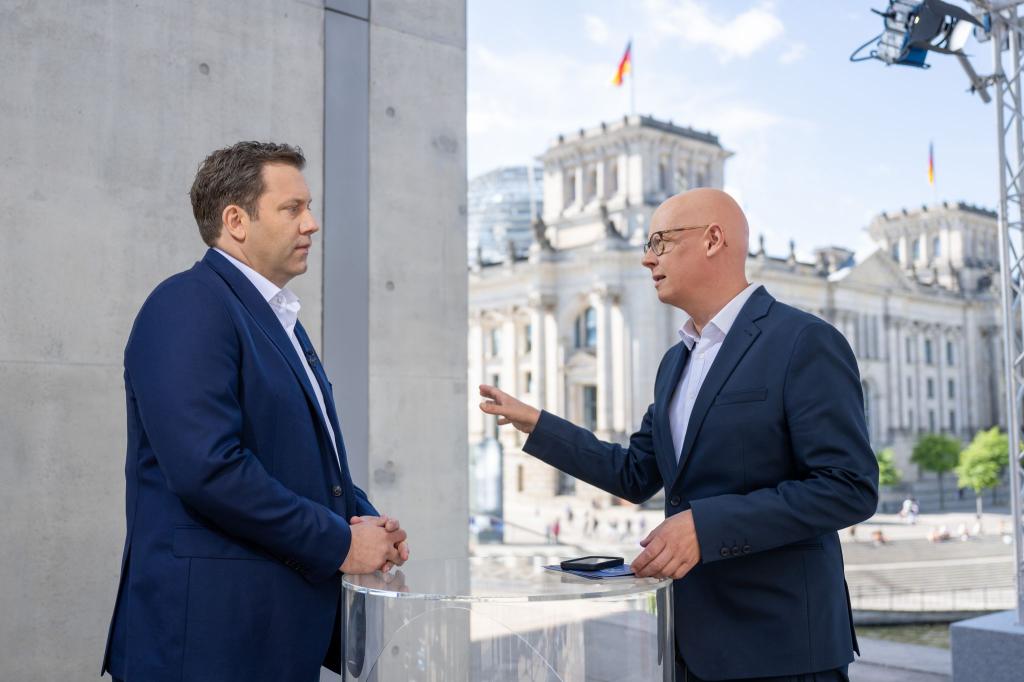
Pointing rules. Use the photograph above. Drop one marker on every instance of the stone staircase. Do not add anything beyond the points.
(917, 575)
(926, 490)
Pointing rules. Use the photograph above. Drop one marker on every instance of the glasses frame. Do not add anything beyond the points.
(649, 246)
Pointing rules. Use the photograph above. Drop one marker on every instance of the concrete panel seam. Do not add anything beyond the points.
(447, 43)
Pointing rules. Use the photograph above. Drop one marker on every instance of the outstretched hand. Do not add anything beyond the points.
(508, 409)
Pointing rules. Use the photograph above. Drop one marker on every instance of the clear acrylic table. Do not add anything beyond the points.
(505, 619)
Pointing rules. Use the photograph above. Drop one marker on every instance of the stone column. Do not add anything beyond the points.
(477, 372)
(968, 373)
(622, 171)
(844, 326)
(673, 163)
(889, 399)
(940, 342)
(509, 367)
(620, 360)
(959, 368)
(540, 307)
(897, 361)
(915, 343)
(857, 336)
(579, 170)
(600, 299)
(967, 407)
(556, 375)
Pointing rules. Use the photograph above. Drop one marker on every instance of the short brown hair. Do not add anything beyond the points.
(234, 175)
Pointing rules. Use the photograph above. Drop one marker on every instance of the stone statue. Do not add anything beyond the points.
(540, 234)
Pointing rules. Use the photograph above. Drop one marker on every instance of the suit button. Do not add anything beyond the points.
(674, 501)
(746, 549)
(735, 550)
(336, 491)
(724, 551)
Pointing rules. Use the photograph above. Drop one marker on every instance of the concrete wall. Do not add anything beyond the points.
(107, 109)
(418, 453)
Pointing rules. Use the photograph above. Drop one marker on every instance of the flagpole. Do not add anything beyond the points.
(632, 79)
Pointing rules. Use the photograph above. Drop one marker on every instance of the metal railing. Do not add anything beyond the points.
(955, 599)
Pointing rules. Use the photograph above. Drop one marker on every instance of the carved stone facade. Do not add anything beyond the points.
(577, 329)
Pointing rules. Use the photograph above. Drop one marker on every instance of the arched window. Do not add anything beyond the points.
(586, 329)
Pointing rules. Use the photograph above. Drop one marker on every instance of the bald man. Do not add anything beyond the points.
(757, 434)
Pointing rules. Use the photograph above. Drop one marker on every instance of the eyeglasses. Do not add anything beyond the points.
(656, 243)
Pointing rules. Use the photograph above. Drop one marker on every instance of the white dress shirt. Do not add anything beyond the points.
(286, 306)
(703, 347)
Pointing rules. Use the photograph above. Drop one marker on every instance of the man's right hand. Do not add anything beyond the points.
(373, 546)
(508, 409)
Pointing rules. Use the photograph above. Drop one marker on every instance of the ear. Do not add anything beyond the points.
(715, 239)
(235, 221)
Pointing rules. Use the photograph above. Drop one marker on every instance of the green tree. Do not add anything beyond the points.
(938, 453)
(982, 463)
(888, 474)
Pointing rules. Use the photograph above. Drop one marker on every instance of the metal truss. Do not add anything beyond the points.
(1006, 81)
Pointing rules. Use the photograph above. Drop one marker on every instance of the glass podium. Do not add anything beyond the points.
(504, 620)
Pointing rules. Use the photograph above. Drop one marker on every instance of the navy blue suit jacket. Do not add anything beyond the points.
(776, 459)
(236, 506)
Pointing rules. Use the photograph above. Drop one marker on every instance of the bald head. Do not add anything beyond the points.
(701, 268)
(708, 206)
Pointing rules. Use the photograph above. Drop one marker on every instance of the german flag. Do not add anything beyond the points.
(931, 165)
(624, 66)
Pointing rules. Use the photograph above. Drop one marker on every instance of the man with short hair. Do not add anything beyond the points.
(757, 434)
(241, 510)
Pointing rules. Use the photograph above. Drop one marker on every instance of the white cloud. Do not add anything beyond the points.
(519, 101)
(596, 29)
(737, 120)
(795, 53)
(736, 37)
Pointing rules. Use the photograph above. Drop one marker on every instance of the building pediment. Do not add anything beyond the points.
(878, 270)
(581, 360)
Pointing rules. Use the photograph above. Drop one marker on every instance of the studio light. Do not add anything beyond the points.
(915, 27)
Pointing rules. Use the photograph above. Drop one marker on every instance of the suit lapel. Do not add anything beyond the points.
(663, 402)
(317, 368)
(264, 317)
(740, 337)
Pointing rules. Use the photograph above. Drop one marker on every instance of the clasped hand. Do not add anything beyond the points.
(378, 543)
(670, 550)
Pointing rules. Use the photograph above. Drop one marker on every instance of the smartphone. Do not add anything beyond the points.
(591, 563)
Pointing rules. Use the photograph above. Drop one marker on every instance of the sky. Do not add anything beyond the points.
(821, 144)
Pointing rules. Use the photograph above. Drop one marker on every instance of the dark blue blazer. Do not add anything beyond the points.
(236, 506)
(776, 459)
